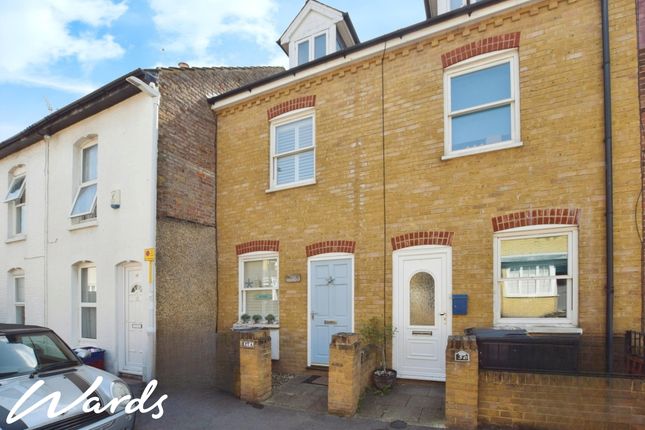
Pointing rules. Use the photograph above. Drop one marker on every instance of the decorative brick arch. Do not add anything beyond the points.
(489, 44)
(257, 245)
(330, 246)
(422, 238)
(289, 105)
(536, 217)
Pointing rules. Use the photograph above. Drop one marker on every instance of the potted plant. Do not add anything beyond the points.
(376, 332)
(270, 318)
(257, 318)
(245, 318)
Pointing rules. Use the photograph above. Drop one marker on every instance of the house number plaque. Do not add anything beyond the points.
(248, 344)
(462, 356)
(293, 278)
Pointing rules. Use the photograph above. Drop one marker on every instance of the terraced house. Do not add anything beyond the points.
(87, 189)
(453, 174)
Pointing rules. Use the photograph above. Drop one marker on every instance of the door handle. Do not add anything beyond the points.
(443, 314)
(313, 314)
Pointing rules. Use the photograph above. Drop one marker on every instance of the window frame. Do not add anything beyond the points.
(250, 257)
(443, 6)
(82, 185)
(16, 303)
(15, 205)
(534, 324)
(82, 304)
(312, 48)
(286, 119)
(478, 63)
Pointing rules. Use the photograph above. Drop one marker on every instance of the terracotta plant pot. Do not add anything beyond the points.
(383, 380)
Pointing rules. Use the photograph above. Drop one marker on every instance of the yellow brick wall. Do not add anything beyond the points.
(541, 401)
(560, 165)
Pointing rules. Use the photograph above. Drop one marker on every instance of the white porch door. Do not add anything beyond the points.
(421, 312)
(135, 312)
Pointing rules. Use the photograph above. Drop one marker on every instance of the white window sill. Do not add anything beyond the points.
(481, 149)
(290, 186)
(14, 239)
(83, 225)
(238, 326)
(547, 329)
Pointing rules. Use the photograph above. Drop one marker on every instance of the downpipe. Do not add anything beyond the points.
(609, 191)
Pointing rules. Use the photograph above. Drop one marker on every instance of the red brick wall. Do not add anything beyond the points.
(187, 129)
(186, 276)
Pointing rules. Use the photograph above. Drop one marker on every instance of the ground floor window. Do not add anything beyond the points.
(536, 276)
(87, 277)
(259, 286)
(19, 297)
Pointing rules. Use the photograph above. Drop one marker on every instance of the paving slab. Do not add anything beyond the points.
(211, 409)
(417, 404)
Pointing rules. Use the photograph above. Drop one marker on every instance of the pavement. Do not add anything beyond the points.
(206, 408)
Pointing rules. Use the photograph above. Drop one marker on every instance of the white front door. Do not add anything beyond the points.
(135, 312)
(421, 311)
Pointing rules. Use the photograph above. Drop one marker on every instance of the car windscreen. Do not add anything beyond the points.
(26, 353)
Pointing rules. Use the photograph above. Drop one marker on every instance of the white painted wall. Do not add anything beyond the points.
(126, 135)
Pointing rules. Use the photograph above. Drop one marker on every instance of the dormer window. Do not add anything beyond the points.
(317, 30)
(444, 6)
(312, 48)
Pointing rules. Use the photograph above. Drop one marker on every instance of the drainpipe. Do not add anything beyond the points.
(47, 139)
(151, 91)
(609, 198)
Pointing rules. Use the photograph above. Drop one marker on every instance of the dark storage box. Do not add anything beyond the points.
(517, 350)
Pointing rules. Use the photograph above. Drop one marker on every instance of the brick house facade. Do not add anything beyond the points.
(185, 275)
(384, 183)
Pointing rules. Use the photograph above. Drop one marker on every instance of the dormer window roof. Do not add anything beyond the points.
(316, 31)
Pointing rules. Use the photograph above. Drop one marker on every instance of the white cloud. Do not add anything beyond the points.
(196, 26)
(36, 34)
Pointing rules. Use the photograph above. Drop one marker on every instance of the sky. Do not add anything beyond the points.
(53, 52)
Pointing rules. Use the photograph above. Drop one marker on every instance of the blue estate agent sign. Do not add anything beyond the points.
(462, 356)
(263, 297)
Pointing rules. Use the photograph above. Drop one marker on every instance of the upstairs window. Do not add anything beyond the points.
(312, 48)
(293, 150)
(536, 276)
(84, 206)
(16, 199)
(482, 105)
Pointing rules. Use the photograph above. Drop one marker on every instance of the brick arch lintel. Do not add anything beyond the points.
(482, 46)
(536, 217)
(289, 105)
(417, 238)
(257, 245)
(328, 246)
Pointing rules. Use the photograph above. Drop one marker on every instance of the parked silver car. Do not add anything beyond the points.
(29, 354)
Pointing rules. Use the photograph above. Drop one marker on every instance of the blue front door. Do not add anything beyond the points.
(331, 305)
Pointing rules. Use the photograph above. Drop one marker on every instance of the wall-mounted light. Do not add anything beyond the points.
(115, 200)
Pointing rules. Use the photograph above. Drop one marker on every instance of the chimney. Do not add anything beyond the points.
(183, 65)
